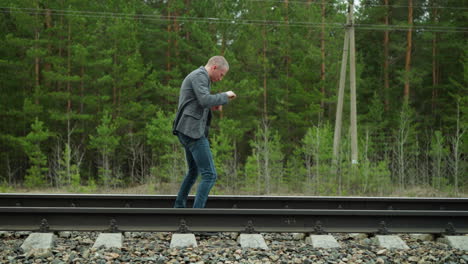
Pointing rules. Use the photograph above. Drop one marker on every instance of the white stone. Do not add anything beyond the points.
(183, 241)
(65, 234)
(458, 242)
(358, 235)
(22, 233)
(422, 237)
(298, 236)
(252, 241)
(109, 240)
(5, 234)
(391, 242)
(38, 243)
(234, 235)
(382, 252)
(322, 241)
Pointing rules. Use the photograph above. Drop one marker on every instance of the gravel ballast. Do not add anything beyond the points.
(141, 247)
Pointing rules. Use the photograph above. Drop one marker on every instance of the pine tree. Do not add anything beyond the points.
(37, 172)
(224, 143)
(266, 163)
(105, 141)
(317, 150)
(167, 153)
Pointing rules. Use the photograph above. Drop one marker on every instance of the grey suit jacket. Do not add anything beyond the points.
(193, 116)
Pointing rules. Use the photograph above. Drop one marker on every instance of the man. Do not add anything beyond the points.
(192, 123)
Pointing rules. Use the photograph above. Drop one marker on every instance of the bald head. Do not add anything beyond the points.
(217, 67)
(219, 62)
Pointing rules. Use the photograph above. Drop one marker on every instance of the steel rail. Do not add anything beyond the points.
(231, 220)
(240, 202)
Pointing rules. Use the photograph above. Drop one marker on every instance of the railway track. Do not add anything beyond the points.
(247, 214)
(240, 202)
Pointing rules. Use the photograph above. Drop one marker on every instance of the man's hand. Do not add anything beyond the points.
(217, 108)
(231, 95)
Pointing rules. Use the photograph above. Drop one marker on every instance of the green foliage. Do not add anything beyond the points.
(110, 83)
(90, 187)
(159, 133)
(370, 176)
(5, 188)
(69, 173)
(167, 153)
(405, 146)
(438, 153)
(265, 166)
(223, 146)
(105, 142)
(36, 174)
(316, 152)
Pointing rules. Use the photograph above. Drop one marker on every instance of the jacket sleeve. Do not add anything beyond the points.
(200, 84)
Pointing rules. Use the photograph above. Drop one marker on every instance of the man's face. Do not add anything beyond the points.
(217, 73)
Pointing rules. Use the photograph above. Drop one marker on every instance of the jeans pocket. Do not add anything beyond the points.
(185, 140)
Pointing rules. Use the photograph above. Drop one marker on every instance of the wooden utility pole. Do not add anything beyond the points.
(339, 106)
(348, 47)
(352, 84)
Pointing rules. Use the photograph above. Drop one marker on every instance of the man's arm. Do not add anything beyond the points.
(200, 84)
(231, 95)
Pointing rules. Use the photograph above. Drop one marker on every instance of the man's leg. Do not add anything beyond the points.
(201, 153)
(188, 182)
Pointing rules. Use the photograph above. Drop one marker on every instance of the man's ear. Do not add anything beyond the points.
(214, 67)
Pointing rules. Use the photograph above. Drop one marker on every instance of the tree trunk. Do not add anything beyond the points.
(435, 66)
(266, 156)
(69, 131)
(322, 51)
(259, 170)
(223, 50)
(176, 34)
(386, 60)
(317, 160)
(168, 51)
(68, 153)
(105, 161)
(36, 61)
(235, 176)
(48, 23)
(82, 89)
(60, 48)
(457, 155)
(187, 32)
(288, 63)
(69, 70)
(265, 114)
(409, 41)
(114, 84)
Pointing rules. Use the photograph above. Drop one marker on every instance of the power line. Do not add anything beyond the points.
(420, 6)
(58, 12)
(216, 20)
(295, 2)
(413, 29)
(346, 2)
(212, 21)
(432, 27)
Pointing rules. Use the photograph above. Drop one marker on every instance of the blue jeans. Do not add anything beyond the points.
(199, 161)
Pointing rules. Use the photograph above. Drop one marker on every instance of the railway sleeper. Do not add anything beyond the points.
(38, 244)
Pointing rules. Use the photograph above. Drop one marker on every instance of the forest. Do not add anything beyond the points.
(89, 90)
